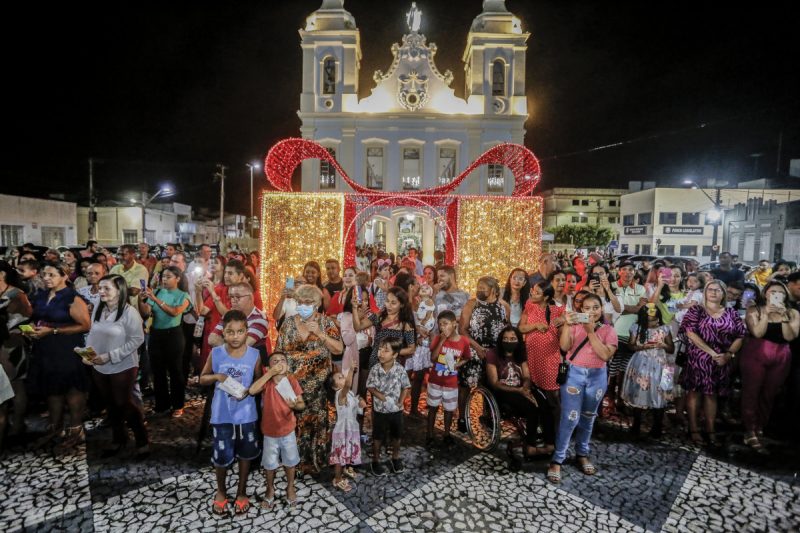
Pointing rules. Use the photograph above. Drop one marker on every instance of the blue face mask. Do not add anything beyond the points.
(305, 311)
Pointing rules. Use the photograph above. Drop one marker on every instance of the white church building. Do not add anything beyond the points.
(412, 132)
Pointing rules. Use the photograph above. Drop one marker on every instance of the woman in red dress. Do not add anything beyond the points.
(540, 322)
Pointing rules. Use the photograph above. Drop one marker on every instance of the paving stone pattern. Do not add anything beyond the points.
(641, 486)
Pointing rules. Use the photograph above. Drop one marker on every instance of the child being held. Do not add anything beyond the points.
(389, 385)
(282, 396)
(231, 368)
(346, 437)
(449, 351)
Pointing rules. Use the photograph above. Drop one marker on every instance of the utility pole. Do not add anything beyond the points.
(92, 216)
(715, 228)
(220, 175)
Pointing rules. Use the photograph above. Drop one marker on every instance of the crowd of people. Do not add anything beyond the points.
(578, 338)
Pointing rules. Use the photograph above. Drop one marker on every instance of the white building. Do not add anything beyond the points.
(411, 132)
(49, 223)
(576, 205)
(123, 225)
(670, 221)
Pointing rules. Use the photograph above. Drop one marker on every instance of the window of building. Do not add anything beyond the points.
(636, 249)
(150, 236)
(129, 236)
(764, 251)
(646, 249)
(575, 219)
(623, 248)
(375, 167)
(329, 76)
(412, 168)
(53, 237)
(576, 202)
(628, 220)
(688, 251)
(612, 203)
(612, 220)
(668, 218)
(447, 165)
(327, 174)
(690, 219)
(706, 250)
(749, 252)
(584, 202)
(666, 249)
(11, 235)
(495, 179)
(498, 78)
(645, 219)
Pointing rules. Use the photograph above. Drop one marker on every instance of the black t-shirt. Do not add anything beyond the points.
(334, 287)
(728, 276)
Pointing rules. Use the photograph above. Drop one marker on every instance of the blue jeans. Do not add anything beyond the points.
(580, 397)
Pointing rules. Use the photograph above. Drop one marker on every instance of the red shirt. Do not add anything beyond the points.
(439, 373)
(277, 418)
(587, 358)
(335, 307)
(257, 329)
(213, 317)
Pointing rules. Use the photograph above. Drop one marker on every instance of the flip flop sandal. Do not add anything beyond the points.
(268, 503)
(343, 485)
(241, 505)
(585, 466)
(349, 472)
(553, 476)
(293, 503)
(220, 508)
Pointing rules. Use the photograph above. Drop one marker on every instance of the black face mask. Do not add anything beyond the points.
(480, 295)
(509, 347)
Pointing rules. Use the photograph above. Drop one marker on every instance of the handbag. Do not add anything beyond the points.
(563, 366)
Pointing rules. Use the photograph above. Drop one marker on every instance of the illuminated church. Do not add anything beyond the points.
(412, 132)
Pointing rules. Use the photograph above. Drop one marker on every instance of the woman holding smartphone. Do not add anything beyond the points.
(766, 358)
(589, 344)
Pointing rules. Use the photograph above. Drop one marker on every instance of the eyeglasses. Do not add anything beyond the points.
(714, 290)
(519, 278)
(238, 296)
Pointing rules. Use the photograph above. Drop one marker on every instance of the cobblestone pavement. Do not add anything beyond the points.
(641, 486)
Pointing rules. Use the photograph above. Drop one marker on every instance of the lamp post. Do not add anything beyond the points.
(252, 166)
(163, 192)
(714, 216)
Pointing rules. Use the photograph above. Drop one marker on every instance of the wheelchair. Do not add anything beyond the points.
(488, 423)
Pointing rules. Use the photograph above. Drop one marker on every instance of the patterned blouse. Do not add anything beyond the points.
(408, 337)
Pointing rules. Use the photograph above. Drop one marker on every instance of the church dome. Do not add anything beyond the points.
(495, 18)
(331, 16)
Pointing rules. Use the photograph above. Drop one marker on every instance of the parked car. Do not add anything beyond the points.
(708, 267)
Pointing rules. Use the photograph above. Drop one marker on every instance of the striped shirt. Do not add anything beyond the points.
(257, 328)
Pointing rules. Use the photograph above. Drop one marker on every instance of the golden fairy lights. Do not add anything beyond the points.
(496, 235)
(297, 228)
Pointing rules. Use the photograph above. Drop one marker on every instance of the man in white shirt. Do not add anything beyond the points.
(90, 293)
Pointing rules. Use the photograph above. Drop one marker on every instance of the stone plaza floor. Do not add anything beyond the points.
(641, 485)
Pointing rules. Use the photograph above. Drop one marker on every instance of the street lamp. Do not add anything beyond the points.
(252, 166)
(715, 215)
(163, 192)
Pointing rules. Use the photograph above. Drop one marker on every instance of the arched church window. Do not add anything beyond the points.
(498, 78)
(329, 76)
(327, 173)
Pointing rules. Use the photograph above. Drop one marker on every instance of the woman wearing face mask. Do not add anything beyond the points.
(115, 336)
(589, 344)
(508, 377)
(713, 334)
(516, 294)
(540, 323)
(482, 320)
(310, 340)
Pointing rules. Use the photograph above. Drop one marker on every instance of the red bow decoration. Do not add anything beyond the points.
(284, 156)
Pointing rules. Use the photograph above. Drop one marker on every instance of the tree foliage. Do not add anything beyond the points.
(581, 235)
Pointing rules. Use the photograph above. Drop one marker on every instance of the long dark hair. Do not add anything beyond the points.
(520, 355)
(404, 281)
(315, 266)
(524, 292)
(547, 290)
(642, 322)
(122, 298)
(761, 296)
(406, 314)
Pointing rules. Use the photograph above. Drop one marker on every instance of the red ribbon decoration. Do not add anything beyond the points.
(284, 156)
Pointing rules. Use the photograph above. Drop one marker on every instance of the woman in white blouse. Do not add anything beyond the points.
(115, 336)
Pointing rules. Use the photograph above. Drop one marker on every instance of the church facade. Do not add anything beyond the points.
(412, 132)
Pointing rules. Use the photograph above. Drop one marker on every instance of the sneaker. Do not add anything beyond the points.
(177, 413)
(397, 465)
(378, 469)
(462, 425)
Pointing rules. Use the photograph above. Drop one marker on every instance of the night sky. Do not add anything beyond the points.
(165, 90)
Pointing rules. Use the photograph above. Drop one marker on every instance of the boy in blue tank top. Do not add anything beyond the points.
(231, 369)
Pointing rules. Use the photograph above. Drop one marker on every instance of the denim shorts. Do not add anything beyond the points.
(280, 451)
(234, 442)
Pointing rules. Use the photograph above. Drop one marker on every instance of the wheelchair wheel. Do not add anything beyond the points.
(483, 419)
